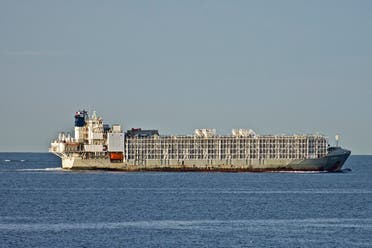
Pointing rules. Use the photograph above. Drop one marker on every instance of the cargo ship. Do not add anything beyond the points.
(96, 145)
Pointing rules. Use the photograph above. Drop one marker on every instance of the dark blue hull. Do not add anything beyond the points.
(332, 162)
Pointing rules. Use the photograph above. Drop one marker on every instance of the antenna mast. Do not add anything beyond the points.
(337, 138)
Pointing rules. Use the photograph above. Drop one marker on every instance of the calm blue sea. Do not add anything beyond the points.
(43, 206)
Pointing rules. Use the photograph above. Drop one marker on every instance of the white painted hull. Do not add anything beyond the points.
(331, 162)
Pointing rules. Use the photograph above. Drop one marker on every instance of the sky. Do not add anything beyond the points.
(272, 66)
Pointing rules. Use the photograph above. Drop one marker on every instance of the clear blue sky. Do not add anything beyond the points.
(273, 66)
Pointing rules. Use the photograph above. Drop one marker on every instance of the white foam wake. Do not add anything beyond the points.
(42, 169)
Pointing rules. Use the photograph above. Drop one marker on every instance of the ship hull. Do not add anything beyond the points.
(333, 162)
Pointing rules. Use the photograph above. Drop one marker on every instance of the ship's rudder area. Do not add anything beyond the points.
(91, 164)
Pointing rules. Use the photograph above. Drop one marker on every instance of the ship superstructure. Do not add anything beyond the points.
(99, 146)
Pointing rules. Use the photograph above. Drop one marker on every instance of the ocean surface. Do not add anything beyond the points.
(43, 206)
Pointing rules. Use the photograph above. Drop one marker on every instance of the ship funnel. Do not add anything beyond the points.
(80, 118)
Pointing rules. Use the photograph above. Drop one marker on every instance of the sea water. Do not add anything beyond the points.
(44, 206)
